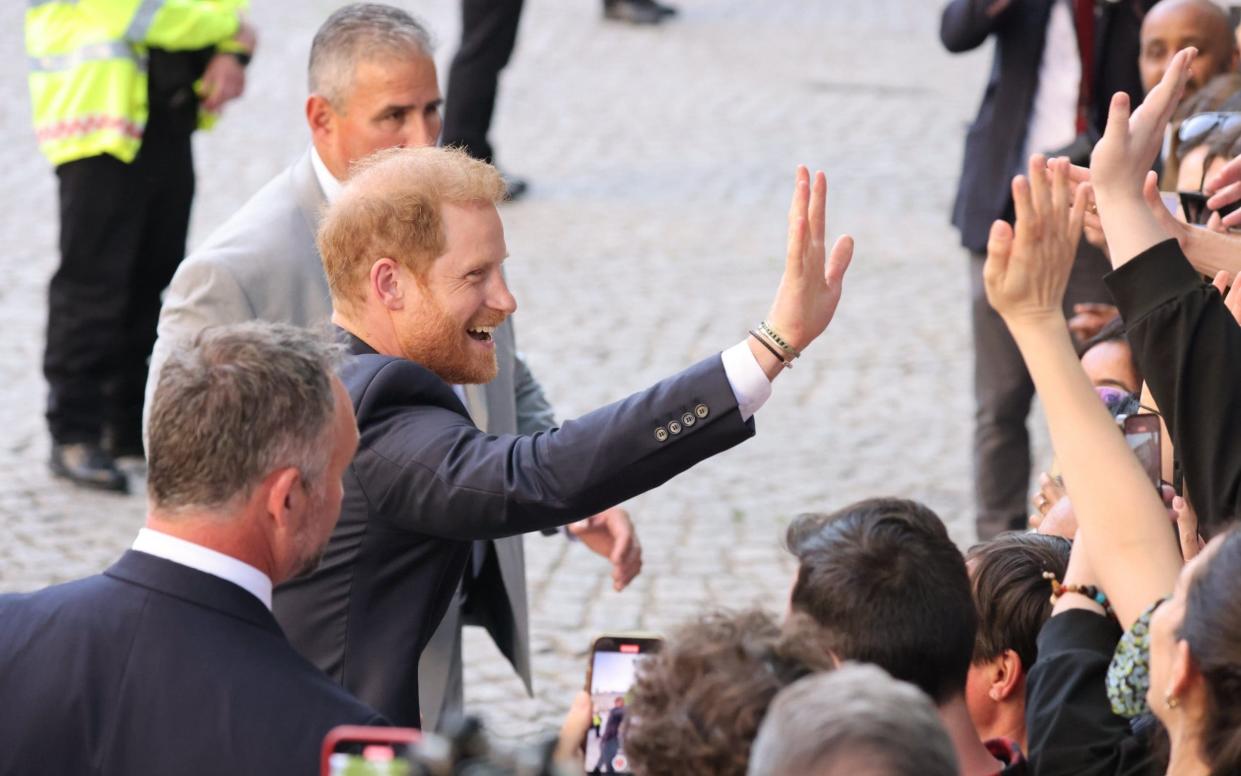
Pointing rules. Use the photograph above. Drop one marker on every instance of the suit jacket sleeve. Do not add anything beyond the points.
(534, 411)
(1188, 346)
(965, 24)
(428, 469)
(202, 293)
(1069, 721)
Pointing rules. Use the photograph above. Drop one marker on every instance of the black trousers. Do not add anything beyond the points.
(1003, 391)
(488, 34)
(122, 235)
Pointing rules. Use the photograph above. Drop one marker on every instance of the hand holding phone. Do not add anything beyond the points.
(610, 674)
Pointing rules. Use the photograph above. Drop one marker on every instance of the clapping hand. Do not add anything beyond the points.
(810, 286)
(1028, 265)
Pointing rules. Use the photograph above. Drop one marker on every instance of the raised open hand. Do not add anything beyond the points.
(810, 286)
(1130, 142)
(1028, 266)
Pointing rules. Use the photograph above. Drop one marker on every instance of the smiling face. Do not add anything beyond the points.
(451, 310)
(392, 102)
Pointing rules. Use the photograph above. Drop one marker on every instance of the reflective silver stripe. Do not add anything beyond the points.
(91, 53)
(140, 25)
(37, 3)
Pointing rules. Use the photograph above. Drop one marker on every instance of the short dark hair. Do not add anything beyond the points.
(696, 706)
(889, 586)
(1012, 597)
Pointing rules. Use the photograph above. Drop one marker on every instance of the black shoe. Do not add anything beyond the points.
(515, 188)
(666, 10)
(86, 464)
(634, 11)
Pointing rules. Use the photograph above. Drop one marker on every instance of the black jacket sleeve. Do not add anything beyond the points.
(1188, 346)
(965, 24)
(1069, 722)
(428, 469)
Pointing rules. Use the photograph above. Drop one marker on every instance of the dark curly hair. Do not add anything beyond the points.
(696, 706)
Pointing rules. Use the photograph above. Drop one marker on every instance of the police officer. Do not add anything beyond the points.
(117, 88)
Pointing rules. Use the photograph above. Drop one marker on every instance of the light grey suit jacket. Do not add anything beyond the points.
(263, 264)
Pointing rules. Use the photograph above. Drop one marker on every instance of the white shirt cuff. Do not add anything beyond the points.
(747, 379)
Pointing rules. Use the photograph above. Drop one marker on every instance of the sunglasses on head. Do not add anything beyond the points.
(1199, 125)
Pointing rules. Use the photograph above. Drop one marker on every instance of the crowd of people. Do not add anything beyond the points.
(326, 510)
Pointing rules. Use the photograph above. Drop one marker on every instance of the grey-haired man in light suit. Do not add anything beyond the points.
(373, 86)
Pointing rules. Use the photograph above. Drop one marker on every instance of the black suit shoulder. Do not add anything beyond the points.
(115, 676)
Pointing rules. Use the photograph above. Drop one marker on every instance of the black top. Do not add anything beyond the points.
(1188, 347)
(1069, 721)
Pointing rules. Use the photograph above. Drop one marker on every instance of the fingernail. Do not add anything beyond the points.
(1178, 502)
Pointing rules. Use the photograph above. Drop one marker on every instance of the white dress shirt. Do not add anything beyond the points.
(208, 561)
(1053, 116)
(327, 181)
(747, 379)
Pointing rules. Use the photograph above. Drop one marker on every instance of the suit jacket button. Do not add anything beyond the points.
(702, 411)
(661, 434)
(688, 419)
(674, 427)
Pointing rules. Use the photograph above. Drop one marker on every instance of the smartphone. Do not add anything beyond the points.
(1143, 435)
(356, 750)
(614, 658)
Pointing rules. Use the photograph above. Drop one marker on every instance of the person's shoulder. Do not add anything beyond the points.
(269, 231)
(78, 607)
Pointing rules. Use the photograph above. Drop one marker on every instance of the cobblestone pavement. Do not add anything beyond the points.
(661, 162)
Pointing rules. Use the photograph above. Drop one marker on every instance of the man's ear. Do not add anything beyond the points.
(388, 284)
(284, 489)
(320, 116)
(1007, 676)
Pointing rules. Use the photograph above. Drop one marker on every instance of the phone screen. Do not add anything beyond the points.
(613, 662)
(1142, 434)
(370, 751)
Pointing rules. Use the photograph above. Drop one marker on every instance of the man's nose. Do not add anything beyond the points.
(500, 298)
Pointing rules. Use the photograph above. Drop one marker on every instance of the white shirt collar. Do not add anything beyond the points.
(206, 560)
(327, 181)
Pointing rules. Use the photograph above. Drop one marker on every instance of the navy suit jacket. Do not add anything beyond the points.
(426, 481)
(994, 142)
(156, 668)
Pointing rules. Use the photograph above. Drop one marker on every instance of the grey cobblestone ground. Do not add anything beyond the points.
(661, 161)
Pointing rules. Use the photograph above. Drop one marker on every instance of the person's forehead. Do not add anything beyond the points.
(384, 76)
(1179, 21)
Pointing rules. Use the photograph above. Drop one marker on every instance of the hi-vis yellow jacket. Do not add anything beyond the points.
(88, 66)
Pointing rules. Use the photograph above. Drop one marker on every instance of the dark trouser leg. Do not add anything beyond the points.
(101, 222)
(166, 172)
(488, 34)
(1002, 394)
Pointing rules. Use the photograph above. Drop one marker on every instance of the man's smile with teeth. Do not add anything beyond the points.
(482, 333)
